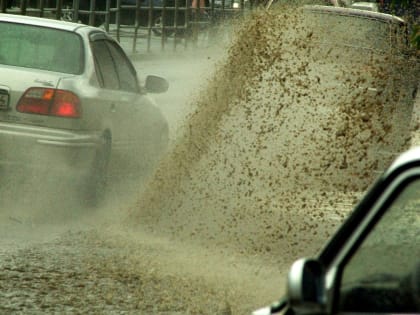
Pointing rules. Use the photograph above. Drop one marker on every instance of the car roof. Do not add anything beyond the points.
(355, 13)
(31, 20)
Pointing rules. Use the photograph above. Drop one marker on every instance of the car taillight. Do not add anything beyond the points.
(52, 102)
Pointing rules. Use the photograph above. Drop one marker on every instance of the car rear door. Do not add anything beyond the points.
(120, 92)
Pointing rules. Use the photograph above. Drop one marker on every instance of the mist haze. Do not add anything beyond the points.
(265, 161)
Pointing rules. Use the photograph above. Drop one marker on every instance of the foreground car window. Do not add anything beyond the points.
(40, 48)
(381, 276)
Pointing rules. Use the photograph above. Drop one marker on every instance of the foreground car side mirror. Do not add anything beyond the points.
(306, 287)
(155, 84)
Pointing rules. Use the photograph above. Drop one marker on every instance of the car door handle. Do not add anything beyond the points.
(113, 108)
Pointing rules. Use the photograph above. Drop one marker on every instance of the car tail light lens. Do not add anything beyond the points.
(51, 102)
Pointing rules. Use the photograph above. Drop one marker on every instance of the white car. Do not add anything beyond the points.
(71, 105)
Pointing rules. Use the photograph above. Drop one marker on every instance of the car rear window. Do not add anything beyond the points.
(357, 31)
(41, 48)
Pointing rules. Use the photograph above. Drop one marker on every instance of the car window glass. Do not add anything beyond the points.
(40, 48)
(360, 32)
(377, 277)
(105, 65)
(126, 74)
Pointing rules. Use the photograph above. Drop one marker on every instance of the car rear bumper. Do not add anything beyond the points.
(38, 148)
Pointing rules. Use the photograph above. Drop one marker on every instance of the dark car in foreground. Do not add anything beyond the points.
(372, 263)
(72, 106)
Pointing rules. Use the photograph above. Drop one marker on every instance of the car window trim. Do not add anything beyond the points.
(127, 62)
(99, 71)
(98, 35)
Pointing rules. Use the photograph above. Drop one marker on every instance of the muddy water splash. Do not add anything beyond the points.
(267, 161)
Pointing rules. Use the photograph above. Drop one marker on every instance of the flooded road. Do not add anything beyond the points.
(237, 198)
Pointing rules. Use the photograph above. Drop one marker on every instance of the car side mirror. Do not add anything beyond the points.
(155, 84)
(306, 286)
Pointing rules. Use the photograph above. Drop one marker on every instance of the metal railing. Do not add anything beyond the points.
(164, 22)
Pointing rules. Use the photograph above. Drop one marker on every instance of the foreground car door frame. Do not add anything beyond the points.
(314, 284)
(348, 239)
(342, 262)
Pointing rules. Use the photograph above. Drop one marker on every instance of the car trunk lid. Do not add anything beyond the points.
(19, 80)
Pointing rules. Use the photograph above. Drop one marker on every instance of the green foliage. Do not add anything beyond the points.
(414, 6)
(403, 2)
(415, 36)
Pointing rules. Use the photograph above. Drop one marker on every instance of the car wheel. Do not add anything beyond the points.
(98, 179)
(157, 27)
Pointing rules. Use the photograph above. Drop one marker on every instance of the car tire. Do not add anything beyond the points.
(98, 179)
